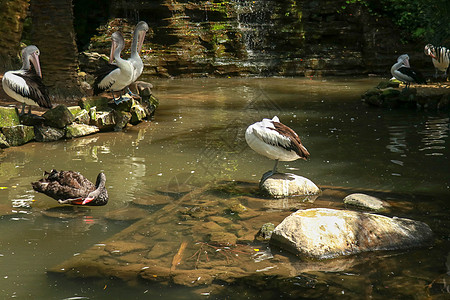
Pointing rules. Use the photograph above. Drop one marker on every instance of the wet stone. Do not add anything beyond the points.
(266, 231)
(222, 238)
(365, 201)
(90, 102)
(9, 116)
(123, 247)
(126, 214)
(77, 130)
(3, 141)
(161, 249)
(32, 120)
(18, 135)
(281, 185)
(122, 118)
(48, 134)
(65, 212)
(105, 120)
(75, 110)
(58, 117)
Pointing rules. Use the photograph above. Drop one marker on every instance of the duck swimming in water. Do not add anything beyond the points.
(69, 187)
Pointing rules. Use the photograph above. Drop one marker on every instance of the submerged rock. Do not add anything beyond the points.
(58, 117)
(18, 135)
(265, 233)
(365, 201)
(327, 233)
(281, 185)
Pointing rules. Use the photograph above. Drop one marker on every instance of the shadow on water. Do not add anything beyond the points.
(197, 138)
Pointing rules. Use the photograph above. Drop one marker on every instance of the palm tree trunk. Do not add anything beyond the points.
(53, 33)
(12, 15)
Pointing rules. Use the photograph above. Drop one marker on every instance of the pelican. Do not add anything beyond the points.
(25, 85)
(114, 77)
(275, 141)
(136, 46)
(440, 56)
(402, 71)
(69, 187)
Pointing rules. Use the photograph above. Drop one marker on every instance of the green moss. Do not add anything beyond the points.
(9, 117)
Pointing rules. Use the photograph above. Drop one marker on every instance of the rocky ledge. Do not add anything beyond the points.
(388, 94)
(89, 116)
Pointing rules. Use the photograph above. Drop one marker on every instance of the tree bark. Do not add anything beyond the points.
(12, 15)
(53, 33)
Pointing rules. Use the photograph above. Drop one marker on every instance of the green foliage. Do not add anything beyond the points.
(421, 19)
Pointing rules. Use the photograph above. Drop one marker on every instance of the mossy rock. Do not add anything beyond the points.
(48, 134)
(122, 118)
(137, 113)
(9, 116)
(3, 141)
(58, 117)
(18, 135)
(99, 102)
(105, 119)
(75, 110)
(82, 117)
(77, 130)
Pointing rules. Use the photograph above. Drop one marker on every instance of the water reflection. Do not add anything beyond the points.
(434, 134)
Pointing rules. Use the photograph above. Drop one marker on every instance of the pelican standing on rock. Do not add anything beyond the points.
(136, 47)
(403, 72)
(69, 187)
(25, 85)
(440, 56)
(275, 141)
(114, 77)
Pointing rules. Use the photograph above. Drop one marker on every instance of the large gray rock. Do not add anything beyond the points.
(327, 233)
(281, 185)
(58, 117)
(18, 135)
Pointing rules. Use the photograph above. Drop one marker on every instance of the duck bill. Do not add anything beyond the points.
(113, 49)
(87, 200)
(35, 61)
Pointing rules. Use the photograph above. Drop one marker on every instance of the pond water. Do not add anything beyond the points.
(197, 137)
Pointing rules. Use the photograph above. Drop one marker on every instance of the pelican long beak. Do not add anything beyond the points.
(35, 61)
(87, 200)
(113, 49)
(406, 62)
(140, 41)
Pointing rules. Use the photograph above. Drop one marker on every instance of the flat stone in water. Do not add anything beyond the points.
(126, 214)
(65, 212)
(365, 201)
(155, 199)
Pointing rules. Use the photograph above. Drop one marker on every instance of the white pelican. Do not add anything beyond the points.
(25, 85)
(440, 56)
(136, 46)
(275, 141)
(114, 77)
(402, 71)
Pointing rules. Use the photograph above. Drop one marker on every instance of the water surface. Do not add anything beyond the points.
(197, 137)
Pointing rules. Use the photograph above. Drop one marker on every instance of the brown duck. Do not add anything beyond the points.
(69, 187)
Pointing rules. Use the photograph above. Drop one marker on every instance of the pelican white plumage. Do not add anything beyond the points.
(25, 85)
(114, 77)
(275, 140)
(402, 71)
(440, 56)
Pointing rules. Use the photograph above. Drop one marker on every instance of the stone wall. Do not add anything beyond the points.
(242, 37)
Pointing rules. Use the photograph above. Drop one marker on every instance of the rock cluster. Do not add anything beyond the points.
(387, 94)
(89, 116)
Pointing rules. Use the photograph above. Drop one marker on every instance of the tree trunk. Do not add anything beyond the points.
(12, 15)
(54, 35)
